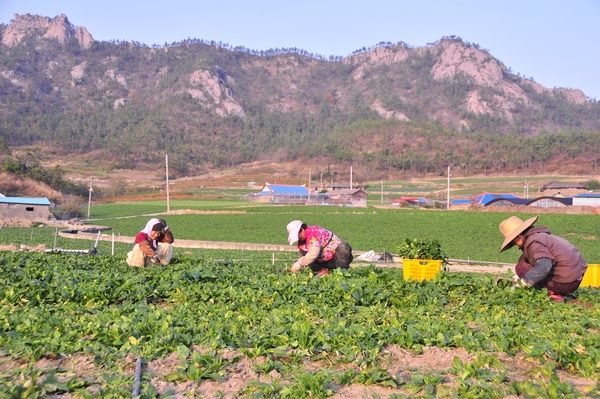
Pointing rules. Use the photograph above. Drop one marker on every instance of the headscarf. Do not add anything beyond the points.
(151, 223)
(293, 228)
(148, 229)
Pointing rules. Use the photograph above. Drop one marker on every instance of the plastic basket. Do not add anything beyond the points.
(420, 269)
(591, 278)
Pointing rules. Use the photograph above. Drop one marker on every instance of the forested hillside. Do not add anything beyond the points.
(389, 108)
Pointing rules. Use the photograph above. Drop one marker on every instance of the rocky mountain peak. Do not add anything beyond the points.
(58, 28)
(457, 57)
(228, 105)
(495, 90)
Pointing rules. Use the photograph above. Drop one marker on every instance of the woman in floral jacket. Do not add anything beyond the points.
(319, 248)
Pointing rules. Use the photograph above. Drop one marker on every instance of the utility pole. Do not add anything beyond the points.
(350, 177)
(90, 198)
(167, 173)
(448, 200)
(309, 176)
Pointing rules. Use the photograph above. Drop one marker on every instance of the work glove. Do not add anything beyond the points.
(164, 223)
(525, 283)
(296, 267)
(520, 283)
(155, 260)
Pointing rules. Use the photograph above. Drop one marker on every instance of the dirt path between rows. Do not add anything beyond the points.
(455, 265)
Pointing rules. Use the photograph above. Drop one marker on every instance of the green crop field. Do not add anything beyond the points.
(462, 234)
(73, 325)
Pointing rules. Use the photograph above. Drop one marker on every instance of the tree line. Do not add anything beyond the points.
(331, 116)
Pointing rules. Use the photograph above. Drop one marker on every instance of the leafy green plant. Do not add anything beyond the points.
(260, 389)
(426, 383)
(200, 367)
(307, 330)
(34, 383)
(305, 385)
(419, 248)
(377, 376)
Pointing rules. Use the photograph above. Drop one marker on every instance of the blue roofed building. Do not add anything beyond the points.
(281, 194)
(300, 195)
(547, 201)
(588, 199)
(486, 198)
(416, 201)
(461, 201)
(24, 208)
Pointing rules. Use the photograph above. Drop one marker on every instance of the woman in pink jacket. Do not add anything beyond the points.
(319, 248)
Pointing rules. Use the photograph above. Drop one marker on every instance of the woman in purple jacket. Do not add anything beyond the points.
(548, 261)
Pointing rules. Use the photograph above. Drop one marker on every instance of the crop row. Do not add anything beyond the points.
(57, 305)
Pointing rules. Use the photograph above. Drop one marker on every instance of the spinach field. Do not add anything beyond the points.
(462, 234)
(225, 324)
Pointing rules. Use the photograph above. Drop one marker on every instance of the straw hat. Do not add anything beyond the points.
(293, 228)
(512, 227)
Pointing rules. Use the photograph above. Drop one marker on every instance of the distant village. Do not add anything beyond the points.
(552, 195)
(337, 194)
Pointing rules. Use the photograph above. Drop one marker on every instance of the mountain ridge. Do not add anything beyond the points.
(212, 106)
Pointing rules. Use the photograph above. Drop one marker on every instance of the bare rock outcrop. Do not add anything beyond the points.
(457, 57)
(375, 57)
(452, 57)
(210, 89)
(58, 28)
(117, 77)
(387, 114)
(78, 73)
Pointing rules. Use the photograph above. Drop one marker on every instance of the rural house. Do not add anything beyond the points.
(343, 186)
(588, 199)
(563, 189)
(24, 208)
(353, 197)
(280, 194)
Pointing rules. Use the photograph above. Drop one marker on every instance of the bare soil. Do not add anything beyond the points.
(239, 377)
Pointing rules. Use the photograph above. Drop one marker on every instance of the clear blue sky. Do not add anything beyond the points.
(555, 42)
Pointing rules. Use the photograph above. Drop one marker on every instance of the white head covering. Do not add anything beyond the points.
(293, 228)
(148, 229)
(151, 223)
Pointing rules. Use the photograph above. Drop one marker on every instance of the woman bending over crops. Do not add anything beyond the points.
(153, 245)
(548, 261)
(319, 248)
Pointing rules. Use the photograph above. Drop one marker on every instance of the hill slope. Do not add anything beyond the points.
(388, 108)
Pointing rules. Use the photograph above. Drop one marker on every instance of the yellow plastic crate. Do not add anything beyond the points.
(591, 278)
(420, 269)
